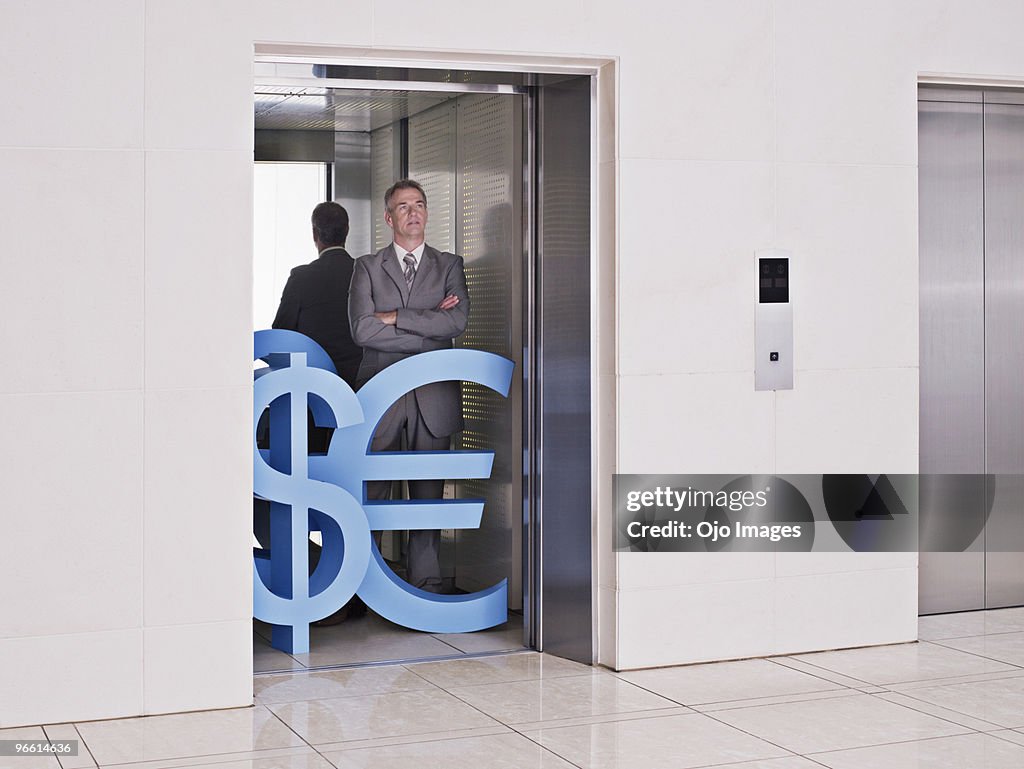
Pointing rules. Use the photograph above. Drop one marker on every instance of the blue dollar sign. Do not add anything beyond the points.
(294, 598)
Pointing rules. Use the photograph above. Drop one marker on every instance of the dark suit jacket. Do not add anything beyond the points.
(378, 285)
(315, 303)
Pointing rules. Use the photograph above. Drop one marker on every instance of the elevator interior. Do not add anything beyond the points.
(971, 191)
(471, 139)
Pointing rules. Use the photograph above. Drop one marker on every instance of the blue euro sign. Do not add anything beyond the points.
(328, 491)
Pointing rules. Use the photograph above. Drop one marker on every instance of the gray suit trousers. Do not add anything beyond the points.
(424, 568)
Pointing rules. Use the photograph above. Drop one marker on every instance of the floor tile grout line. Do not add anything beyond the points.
(81, 742)
(1001, 737)
(289, 728)
(751, 734)
(932, 715)
(523, 680)
(975, 654)
(513, 725)
(544, 747)
(921, 680)
(895, 742)
(395, 662)
(974, 678)
(799, 669)
(943, 707)
(986, 634)
(835, 694)
(602, 718)
(220, 758)
(414, 738)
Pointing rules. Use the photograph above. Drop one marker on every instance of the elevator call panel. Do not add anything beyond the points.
(773, 321)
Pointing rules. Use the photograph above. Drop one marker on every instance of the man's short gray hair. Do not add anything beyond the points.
(402, 184)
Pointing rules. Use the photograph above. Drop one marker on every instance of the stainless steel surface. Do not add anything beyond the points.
(489, 190)
(352, 183)
(530, 557)
(282, 59)
(1003, 96)
(972, 321)
(950, 93)
(564, 285)
(952, 337)
(385, 165)
(773, 330)
(307, 107)
(400, 86)
(1004, 371)
(294, 146)
(432, 158)
(467, 155)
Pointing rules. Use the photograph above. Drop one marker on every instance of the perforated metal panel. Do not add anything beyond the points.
(335, 109)
(432, 164)
(383, 173)
(489, 239)
(467, 155)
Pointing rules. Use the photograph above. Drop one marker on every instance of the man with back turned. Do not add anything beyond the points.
(315, 303)
(405, 299)
(315, 298)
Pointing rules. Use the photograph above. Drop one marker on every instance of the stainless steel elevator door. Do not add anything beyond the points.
(1004, 354)
(971, 159)
(952, 339)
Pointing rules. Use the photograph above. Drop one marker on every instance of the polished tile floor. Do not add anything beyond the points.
(371, 638)
(953, 701)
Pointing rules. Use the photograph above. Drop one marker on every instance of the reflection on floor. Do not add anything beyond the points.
(373, 639)
(953, 701)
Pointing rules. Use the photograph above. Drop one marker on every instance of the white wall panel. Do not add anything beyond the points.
(62, 677)
(696, 78)
(67, 84)
(308, 21)
(197, 567)
(688, 231)
(694, 423)
(70, 550)
(843, 610)
(848, 422)
(198, 269)
(846, 81)
(964, 38)
(853, 233)
(651, 570)
(71, 260)
(198, 67)
(695, 623)
(206, 666)
(529, 25)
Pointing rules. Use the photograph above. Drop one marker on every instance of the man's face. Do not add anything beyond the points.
(408, 215)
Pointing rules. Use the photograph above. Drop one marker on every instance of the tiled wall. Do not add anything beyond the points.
(126, 254)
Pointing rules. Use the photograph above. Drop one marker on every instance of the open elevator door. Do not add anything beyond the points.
(505, 165)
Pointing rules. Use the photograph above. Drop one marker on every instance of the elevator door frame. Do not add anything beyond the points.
(566, 591)
(968, 273)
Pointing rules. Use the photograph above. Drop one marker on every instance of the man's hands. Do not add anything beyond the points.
(391, 318)
(448, 302)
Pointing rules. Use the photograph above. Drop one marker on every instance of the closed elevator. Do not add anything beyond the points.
(971, 203)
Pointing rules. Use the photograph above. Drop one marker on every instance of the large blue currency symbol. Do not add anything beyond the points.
(327, 492)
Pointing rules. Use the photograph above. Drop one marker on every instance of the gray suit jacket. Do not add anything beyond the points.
(378, 285)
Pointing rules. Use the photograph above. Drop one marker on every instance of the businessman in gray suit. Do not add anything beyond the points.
(405, 299)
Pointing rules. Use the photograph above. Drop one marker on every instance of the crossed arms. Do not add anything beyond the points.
(378, 324)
